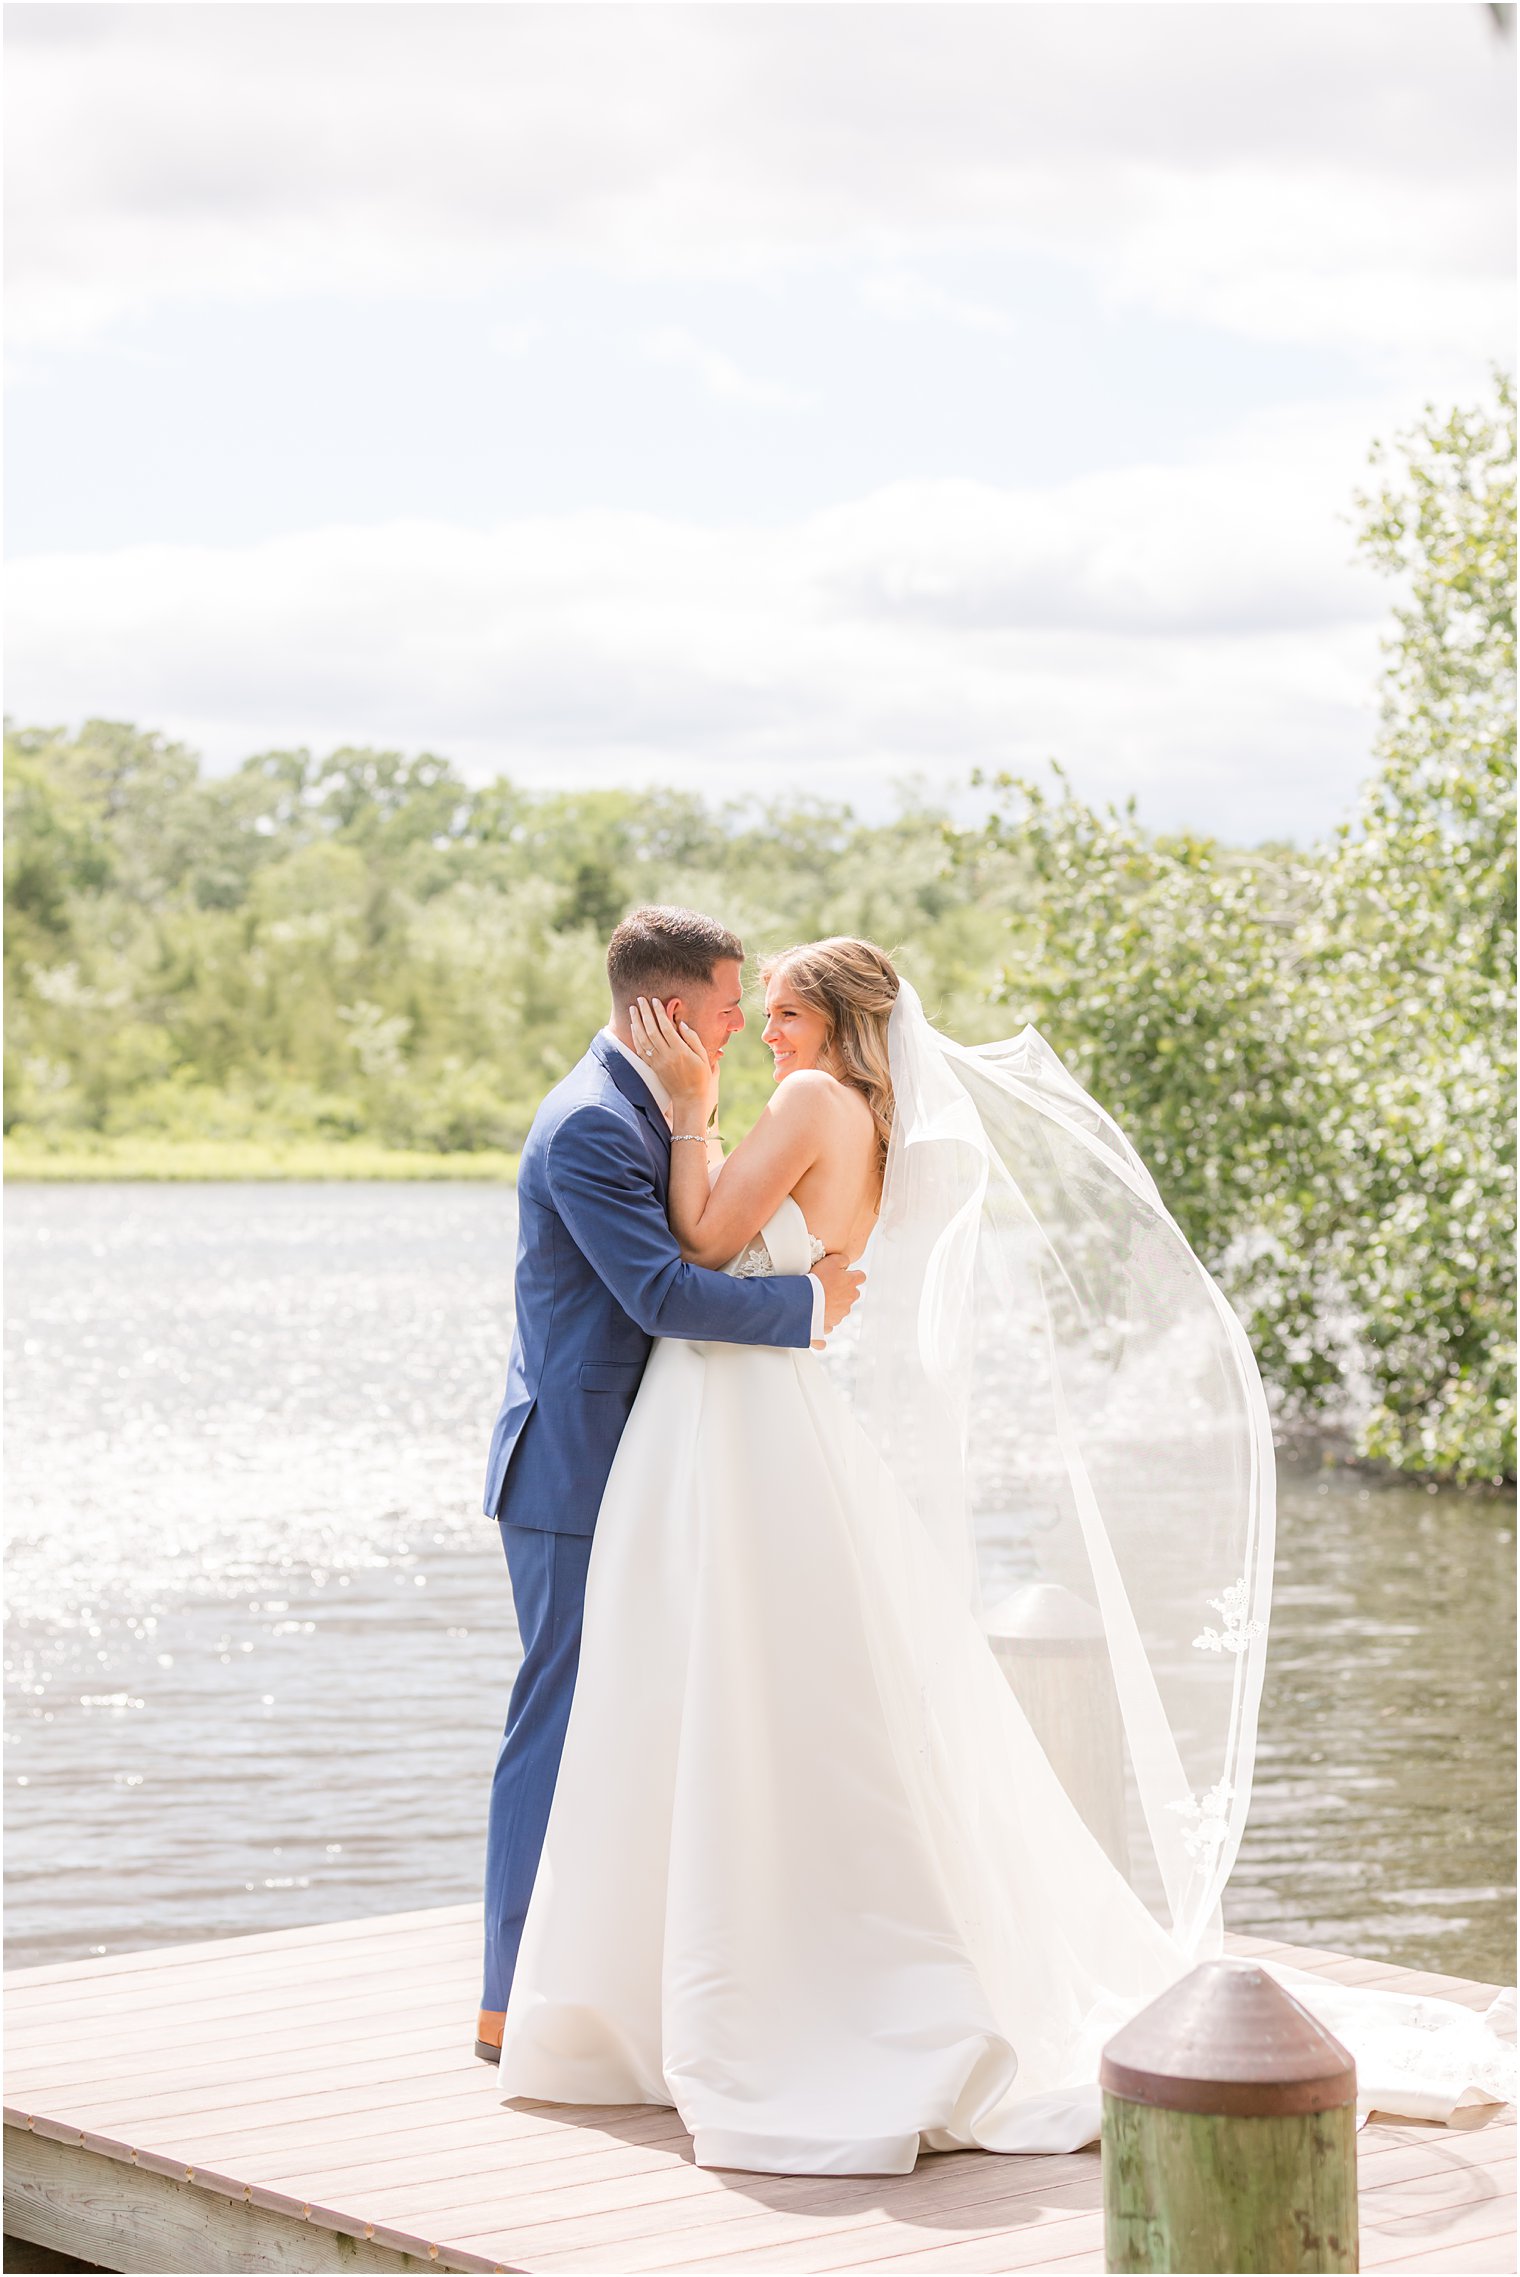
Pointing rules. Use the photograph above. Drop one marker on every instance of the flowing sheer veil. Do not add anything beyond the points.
(1075, 1422)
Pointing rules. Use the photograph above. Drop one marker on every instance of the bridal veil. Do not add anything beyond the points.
(1077, 1429)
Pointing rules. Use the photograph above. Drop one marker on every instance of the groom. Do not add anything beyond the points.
(599, 1276)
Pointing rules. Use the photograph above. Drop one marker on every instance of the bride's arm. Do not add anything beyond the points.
(712, 1220)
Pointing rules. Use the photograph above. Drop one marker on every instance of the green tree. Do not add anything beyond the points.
(1163, 969)
(1315, 1051)
(1411, 985)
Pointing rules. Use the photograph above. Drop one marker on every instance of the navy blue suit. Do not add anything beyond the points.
(599, 1276)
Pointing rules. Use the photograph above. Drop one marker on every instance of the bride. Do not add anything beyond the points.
(843, 1862)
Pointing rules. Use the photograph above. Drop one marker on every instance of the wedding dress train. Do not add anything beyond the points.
(809, 1876)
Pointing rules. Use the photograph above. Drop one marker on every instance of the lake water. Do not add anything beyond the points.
(260, 1639)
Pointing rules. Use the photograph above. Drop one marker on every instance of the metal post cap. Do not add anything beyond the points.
(1230, 2042)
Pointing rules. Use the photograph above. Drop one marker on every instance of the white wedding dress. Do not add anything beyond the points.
(809, 1876)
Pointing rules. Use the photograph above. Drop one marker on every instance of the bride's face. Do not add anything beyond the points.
(797, 1035)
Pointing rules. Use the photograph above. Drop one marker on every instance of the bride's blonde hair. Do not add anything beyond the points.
(854, 985)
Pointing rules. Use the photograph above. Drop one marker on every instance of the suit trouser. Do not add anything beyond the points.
(548, 1573)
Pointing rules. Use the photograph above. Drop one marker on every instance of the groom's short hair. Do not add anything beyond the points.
(664, 952)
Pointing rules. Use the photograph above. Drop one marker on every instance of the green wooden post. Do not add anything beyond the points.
(1229, 2132)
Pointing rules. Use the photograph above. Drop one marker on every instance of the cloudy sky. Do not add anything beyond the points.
(741, 396)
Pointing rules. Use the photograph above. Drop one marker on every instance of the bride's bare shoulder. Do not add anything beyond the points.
(807, 1086)
(813, 1094)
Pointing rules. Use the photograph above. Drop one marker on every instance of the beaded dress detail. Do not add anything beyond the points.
(783, 1245)
(753, 1262)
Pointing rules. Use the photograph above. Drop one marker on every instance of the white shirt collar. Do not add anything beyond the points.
(660, 1094)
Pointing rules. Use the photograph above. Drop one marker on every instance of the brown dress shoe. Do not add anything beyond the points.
(488, 2034)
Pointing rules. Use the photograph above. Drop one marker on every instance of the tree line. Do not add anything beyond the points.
(1313, 1048)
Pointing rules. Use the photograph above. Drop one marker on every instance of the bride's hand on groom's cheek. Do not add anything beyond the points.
(675, 1054)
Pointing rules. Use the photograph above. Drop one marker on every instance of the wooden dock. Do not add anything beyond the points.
(309, 2100)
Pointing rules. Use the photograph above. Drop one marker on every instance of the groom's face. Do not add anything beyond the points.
(716, 1012)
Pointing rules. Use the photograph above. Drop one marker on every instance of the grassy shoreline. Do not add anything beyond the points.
(144, 1160)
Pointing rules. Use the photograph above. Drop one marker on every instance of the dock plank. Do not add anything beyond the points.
(241, 1989)
(302, 2097)
(1487, 2257)
(837, 2229)
(99, 1968)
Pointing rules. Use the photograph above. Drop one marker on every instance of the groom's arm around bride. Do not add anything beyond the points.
(599, 1276)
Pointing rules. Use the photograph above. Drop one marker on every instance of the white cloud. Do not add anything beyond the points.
(1341, 172)
(1190, 633)
(719, 374)
(1314, 252)
(913, 300)
(519, 339)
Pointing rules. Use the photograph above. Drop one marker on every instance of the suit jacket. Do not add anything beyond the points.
(599, 1276)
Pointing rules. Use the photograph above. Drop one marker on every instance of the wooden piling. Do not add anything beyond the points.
(1229, 2132)
(1052, 1647)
